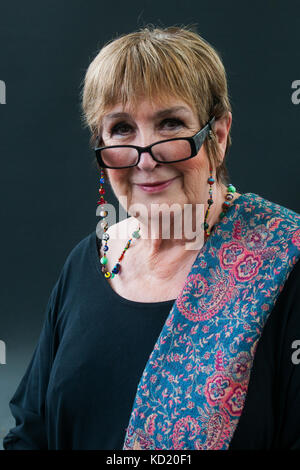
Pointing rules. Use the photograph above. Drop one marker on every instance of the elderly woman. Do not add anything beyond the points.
(165, 342)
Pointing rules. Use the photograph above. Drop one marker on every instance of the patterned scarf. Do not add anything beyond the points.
(193, 388)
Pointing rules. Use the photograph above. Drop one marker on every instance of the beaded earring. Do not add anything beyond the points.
(228, 198)
(225, 206)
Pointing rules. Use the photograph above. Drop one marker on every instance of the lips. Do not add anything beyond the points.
(157, 186)
(157, 183)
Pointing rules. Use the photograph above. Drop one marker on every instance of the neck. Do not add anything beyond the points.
(166, 257)
(176, 231)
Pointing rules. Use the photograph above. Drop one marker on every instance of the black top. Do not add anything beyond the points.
(79, 387)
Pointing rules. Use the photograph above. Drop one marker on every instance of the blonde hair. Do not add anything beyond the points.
(158, 63)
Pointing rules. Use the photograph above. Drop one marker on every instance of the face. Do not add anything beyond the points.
(186, 181)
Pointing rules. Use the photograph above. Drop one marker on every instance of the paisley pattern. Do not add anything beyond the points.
(193, 388)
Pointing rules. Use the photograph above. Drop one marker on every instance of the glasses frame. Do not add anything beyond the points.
(196, 141)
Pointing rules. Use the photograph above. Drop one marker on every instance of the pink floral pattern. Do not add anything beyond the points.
(193, 388)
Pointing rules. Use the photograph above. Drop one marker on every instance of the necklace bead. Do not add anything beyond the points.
(225, 206)
(136, 234)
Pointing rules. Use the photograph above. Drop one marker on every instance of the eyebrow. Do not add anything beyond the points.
(161, 113)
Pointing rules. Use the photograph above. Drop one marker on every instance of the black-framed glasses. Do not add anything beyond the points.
(163, 151)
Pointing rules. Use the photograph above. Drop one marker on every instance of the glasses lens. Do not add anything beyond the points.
(119, 156)
(172, 151)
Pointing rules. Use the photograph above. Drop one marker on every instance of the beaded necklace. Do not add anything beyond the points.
(136, 234)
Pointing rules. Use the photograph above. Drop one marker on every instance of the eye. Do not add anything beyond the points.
(122, 127)
(118, 127)
(176, 122)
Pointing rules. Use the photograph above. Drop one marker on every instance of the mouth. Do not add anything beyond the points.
(156, 186)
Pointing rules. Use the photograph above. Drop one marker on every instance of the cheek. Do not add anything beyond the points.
(118, 178)
(194, 166)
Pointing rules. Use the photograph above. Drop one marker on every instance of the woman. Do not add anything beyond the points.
(155, 342)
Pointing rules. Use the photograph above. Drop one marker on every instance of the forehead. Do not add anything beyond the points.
(147, 110)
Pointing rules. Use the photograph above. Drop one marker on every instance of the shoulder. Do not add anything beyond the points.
(268, 210)
(77, 259)
(80, 249)
(279, 226)
(290, 292)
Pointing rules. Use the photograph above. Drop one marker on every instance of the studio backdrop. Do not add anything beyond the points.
(49, 183)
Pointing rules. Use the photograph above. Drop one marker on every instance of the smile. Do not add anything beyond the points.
(156, 187)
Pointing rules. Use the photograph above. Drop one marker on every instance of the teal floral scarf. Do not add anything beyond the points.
(193, 388)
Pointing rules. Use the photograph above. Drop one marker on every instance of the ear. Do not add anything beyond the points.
(221, 129)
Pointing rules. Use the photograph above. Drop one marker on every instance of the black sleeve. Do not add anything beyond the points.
(288, 379)
(271, 415)
(28, 403)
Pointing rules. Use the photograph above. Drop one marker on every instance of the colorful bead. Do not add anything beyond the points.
(103, 260)
(116, 268)
(107, 274)
(136, 234)
(103, 213)
(231, 188)
(101, 201)
(210, 180)
(102, 191)
(105, 248)
(102, 180)
(105, 236)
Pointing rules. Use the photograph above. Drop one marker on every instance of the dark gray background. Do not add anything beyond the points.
(48, 183)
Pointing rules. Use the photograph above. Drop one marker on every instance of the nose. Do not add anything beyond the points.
(146, 161)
